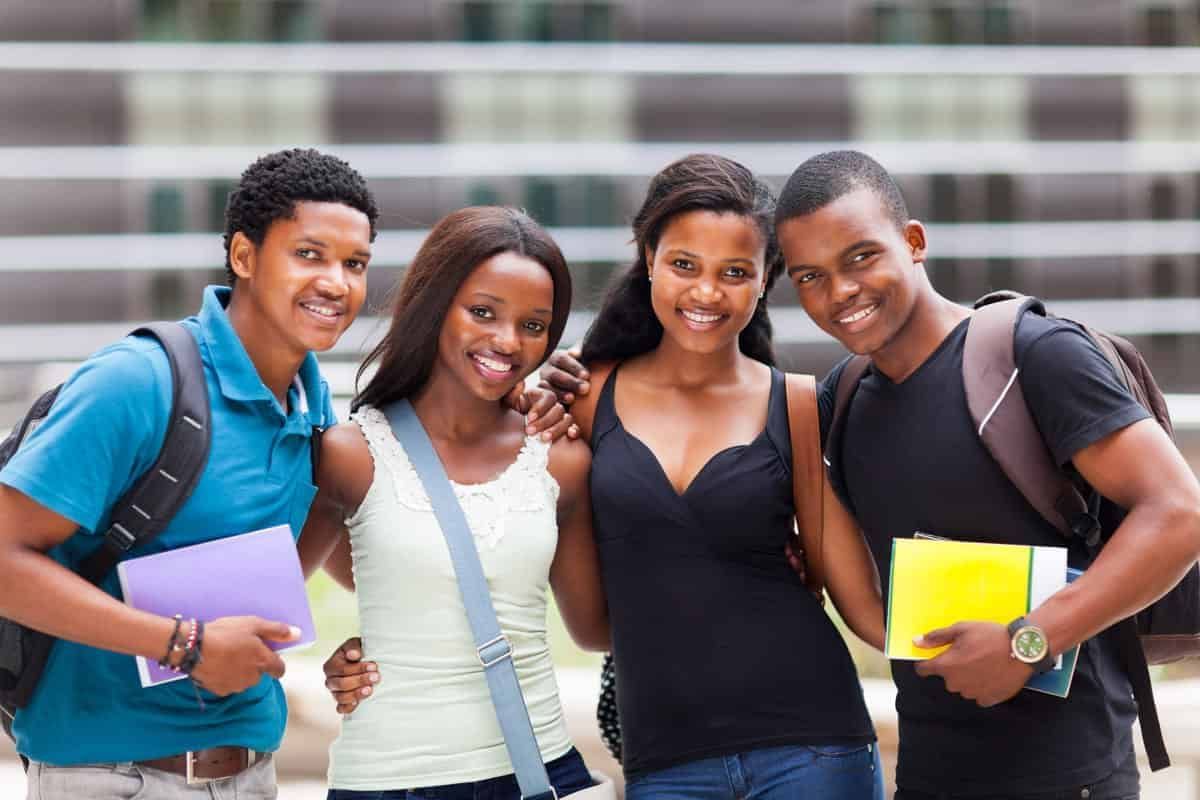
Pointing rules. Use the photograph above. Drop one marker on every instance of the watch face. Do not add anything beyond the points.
(1029, 644)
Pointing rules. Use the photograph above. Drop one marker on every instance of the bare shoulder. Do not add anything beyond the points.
(570, 462)
(346, 468)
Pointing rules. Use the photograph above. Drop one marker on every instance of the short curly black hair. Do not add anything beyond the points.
(270, 188)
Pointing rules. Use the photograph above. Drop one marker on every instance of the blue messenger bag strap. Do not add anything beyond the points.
(492, 646)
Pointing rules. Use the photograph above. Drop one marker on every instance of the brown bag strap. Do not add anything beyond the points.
(808, 475)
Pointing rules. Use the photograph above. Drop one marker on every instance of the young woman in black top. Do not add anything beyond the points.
(733, 681)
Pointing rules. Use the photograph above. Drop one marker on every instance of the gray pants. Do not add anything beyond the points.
(133, 782)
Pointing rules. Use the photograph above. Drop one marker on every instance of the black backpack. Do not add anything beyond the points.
(137, 517)
(1167, 630)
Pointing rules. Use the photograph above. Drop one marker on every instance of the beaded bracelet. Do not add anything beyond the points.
(173, 645)
(191, 655)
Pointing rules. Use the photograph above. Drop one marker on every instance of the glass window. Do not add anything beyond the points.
(999, 192)
(224, 21)
(597, 25)
(218, 196)
(160, 20)
(479, 21)
(538, 21)
(895, 24)
(942, 28)
(599, 202)
(541, 200)
(1164, 280)
(1158, 24)
(291, 21)
(998, 24)
(1001, 273)
(1162, 200)
(165, 210)
(482, 194)
(943, 206)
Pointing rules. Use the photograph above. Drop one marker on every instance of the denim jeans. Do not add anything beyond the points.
(129, 781)
(796, 772)
(1122, 784)
(567, 774)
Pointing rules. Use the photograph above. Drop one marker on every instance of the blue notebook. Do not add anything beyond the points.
(1058, 680)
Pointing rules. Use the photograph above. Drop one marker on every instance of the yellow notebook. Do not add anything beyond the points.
(937, 582)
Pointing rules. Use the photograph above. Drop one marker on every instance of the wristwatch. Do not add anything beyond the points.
(1029, 645)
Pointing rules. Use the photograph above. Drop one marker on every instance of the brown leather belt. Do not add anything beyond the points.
(202, 766)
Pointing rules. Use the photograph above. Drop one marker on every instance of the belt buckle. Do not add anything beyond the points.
(189, 770)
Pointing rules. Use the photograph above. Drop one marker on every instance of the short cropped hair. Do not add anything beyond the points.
(270, 188)
(828, 176)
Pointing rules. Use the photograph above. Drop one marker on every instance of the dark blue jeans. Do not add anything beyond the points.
(797, 772)
(1122, 784)
(567, 774)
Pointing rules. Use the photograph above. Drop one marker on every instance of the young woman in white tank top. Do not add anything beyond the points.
(482, 305)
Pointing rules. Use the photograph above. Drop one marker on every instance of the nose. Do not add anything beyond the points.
(707, 291)
(843, 288)
(332, 281)
(505, 340)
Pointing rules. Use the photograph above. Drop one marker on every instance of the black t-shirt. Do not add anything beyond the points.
(911, 461)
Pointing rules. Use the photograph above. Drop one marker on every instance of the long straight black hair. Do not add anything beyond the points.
(458, 244)
(626, 325)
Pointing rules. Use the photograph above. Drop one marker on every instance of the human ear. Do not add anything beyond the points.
(241, 255)
(914, 235)
(649, 263)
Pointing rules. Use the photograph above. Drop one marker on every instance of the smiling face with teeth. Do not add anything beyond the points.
(302, 287)
(707, 272)
(496, 329)
(857, 274)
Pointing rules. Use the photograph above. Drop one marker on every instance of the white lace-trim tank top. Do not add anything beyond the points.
(430, 720)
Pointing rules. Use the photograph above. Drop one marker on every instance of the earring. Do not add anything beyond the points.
(650, 277)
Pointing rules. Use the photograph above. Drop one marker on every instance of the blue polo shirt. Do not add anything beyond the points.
(104, 431)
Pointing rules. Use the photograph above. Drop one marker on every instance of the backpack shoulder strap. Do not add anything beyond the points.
(1004, 424)
(808, 475)
(847, 385)
(144, 510)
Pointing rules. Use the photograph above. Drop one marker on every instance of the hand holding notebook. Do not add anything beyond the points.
(965, 593)
(255, 574)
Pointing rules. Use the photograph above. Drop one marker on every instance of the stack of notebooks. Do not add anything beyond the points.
(936, 583)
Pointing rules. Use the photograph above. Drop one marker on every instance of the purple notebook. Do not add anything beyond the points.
(254, 573)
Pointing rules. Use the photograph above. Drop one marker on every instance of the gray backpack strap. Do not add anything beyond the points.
(1005, 426)
(143, 512)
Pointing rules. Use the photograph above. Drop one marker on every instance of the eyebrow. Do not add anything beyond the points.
(503, 302)
(319, 243)
(792, 270)
(697, 256)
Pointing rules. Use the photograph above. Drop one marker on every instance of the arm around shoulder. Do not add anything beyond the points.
(575, 571)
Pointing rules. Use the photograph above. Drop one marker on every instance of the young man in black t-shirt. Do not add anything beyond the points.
(910, 460)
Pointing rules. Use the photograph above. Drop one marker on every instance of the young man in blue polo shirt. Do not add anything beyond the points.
(298, 238)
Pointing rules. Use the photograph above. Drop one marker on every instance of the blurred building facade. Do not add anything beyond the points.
(1091, 193)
